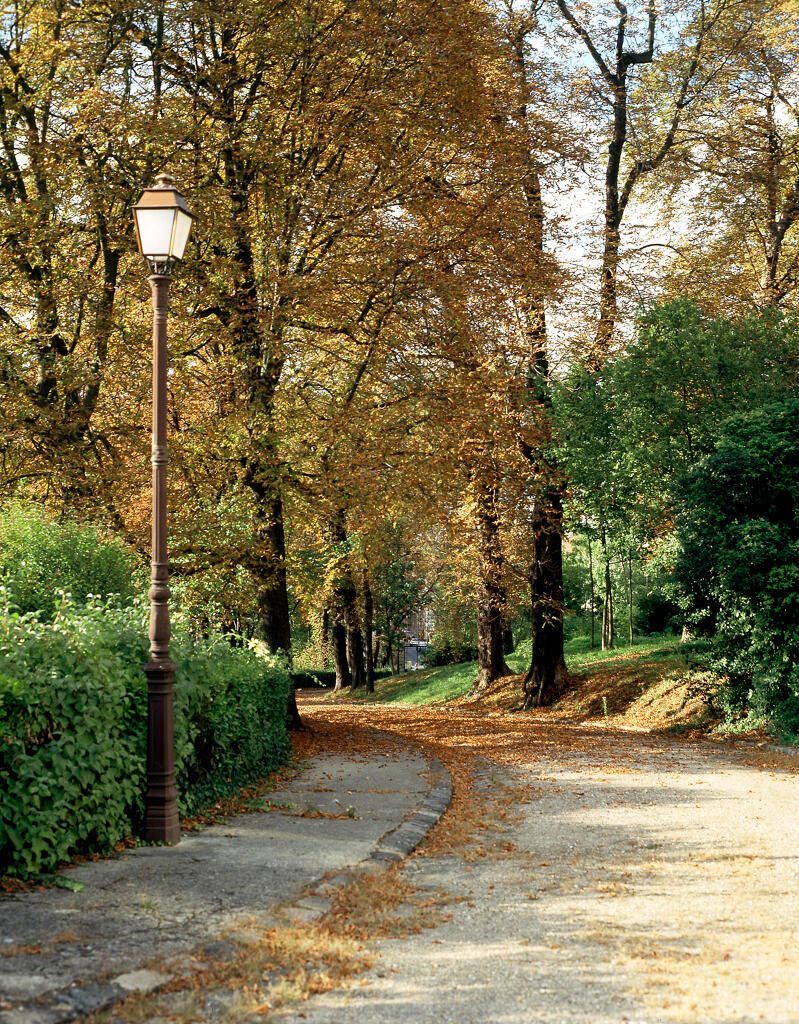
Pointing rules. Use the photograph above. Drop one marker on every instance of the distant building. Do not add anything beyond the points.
(420, 625)
(417, 629)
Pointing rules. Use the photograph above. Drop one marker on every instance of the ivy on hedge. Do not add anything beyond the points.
(73, 722)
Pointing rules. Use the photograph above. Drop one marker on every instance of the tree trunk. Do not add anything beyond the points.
(608, 287)
(350, 650)
(547, 674)
(368, 617)
(615, 198)
(630, 593)
(267, 560)
(262, 358)
(593, 595)
(490, 646)
(325, 636)
(268, 566)
(507, 640)
(490, 594)
(346, 602)
(607, 607)
(343, 677)
(615, 203)
(356, 659)
(547, 671)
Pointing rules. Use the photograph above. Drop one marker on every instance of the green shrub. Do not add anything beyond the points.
(444, 650)
(73, 722)
(230, 716)
(40, 558)
(739, 566)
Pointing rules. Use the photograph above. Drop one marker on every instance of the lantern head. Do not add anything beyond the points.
(163, 224)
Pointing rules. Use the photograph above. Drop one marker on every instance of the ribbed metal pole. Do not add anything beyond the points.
(161, 823)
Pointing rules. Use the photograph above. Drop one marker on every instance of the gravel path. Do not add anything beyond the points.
(645, 880)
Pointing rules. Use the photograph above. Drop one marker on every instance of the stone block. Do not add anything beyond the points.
(141, 981)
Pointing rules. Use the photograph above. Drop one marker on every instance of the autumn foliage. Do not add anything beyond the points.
(412, 219)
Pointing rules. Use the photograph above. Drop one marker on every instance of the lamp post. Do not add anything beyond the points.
(163, 223)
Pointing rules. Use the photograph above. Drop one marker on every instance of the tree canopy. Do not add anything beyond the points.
(468, 280)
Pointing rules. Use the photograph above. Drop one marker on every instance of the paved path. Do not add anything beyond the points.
(63, 953)
(594, 877)
(650, 880)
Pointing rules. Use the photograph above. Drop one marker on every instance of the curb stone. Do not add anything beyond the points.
(393, 846)
(781, 749)
(77, 1001)
(406, 837)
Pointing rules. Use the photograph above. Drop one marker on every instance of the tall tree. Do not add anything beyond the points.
(547, 672)
(67, 115)
(734, 190)
(300, 130)
(640, 97)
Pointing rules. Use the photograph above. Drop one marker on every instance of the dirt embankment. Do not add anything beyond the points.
(656, 690)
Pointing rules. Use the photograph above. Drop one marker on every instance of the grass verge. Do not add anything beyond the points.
(451, 682)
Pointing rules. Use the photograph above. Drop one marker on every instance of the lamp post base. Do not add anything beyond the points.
(161, 821)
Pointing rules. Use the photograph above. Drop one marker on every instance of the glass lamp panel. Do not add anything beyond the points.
(155, 230)
(181, 235)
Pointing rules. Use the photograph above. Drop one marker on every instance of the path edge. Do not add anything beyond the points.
(77, 1001)
(404, 839)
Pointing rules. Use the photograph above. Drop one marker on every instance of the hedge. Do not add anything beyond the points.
(73, 721)
(40, 558)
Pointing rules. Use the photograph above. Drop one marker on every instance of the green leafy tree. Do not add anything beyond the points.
(739, 529)
(628, 432)
(683, 376)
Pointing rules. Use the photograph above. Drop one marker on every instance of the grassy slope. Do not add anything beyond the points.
(649, 685)
(432, 685)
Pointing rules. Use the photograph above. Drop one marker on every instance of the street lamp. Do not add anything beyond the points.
(163, 223)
